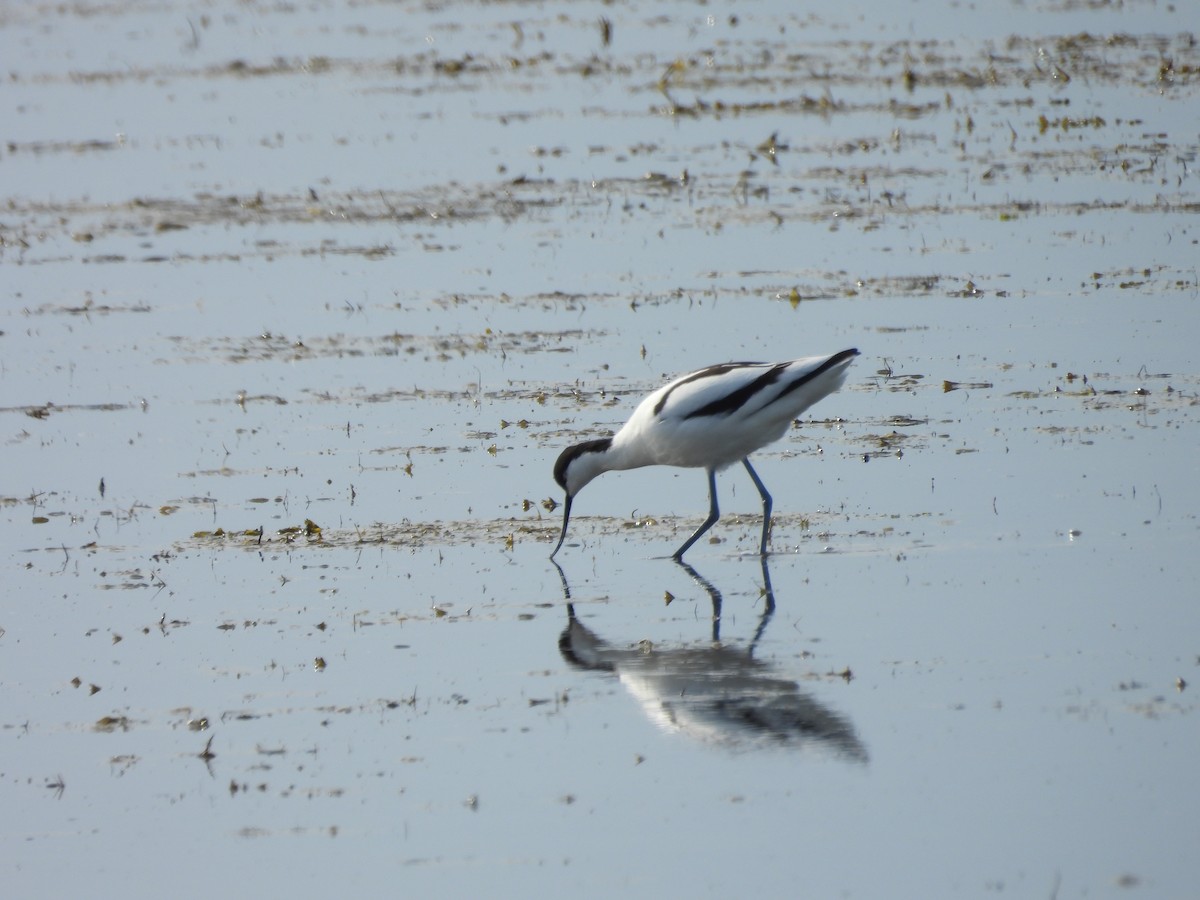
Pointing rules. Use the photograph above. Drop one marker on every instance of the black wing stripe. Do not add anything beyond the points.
(710, 372)
(834, 361)
(735, 400)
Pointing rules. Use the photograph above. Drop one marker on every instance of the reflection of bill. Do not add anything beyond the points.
(718, 694)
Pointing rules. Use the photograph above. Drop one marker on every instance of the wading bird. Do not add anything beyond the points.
(707, 420)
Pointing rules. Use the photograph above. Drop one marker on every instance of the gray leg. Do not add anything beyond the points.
(766, 498)
(713, 594)
(768, 607)
(713, 515)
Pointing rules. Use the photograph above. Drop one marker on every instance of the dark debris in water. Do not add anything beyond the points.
(272, 346)
(505, 534)
(702, 204)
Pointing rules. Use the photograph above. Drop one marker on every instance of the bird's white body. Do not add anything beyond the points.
(670, 427)
(708, 419)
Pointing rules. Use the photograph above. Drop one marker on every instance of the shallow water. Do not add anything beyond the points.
(300, 305)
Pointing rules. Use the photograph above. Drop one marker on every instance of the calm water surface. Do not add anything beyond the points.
(300, 305)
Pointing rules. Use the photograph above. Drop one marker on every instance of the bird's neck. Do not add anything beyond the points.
(626, 454)
(619, 455)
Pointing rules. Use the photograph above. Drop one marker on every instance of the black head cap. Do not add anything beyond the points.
(573, 452)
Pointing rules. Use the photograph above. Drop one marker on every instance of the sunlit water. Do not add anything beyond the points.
(300, 304)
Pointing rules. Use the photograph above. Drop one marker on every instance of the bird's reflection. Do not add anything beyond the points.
(716, 693)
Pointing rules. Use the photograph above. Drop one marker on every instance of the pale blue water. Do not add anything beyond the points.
(454, 235)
